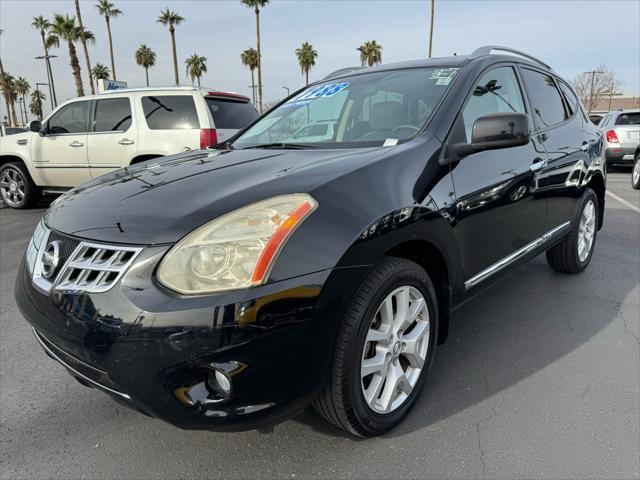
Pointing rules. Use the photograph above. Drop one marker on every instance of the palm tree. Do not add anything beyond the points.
(433, 7)
(107, 10)
(4, 90)
(249, 58)
(42, 24)
(370, 53)
(8, 84)
(170, 18)
(196, 66)
(100, 72)
(64, 28)
(256, 4)
(145, 57)
(306, 58)
(83, 39)
(23, 88)
(35, 106)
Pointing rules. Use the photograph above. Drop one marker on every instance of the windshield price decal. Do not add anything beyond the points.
(443, 76)
(321, 91)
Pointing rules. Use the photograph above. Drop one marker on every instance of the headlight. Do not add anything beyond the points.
(236, 250)
(34, 244)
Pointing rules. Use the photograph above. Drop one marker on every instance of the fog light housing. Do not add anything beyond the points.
(218, 384)
(209, 384)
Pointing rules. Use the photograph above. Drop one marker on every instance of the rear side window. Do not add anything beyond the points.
(628, 119)
(112, 115)
(573, 104)
(170, 112)
(548, 109)
(231, 113)
(72, 118)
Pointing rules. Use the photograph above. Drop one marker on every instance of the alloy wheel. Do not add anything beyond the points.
(586, 230)
(395, 349)
(12, 185)
(635, 175)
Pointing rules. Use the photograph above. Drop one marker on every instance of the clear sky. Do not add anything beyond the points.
(573, 36)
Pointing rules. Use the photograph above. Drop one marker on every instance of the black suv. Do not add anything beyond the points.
(229, 288)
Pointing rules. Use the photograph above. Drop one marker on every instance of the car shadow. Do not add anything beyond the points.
(512, 330)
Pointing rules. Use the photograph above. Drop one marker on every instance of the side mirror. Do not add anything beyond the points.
(35, 126)
(497, 130)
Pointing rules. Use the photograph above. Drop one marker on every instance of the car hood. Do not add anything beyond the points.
(160, 201)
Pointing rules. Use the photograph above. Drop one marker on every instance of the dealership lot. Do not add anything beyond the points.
(540, 378)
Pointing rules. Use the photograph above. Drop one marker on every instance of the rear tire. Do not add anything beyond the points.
(16, 187)
(635, 173)
(573, 254)
(376, 336)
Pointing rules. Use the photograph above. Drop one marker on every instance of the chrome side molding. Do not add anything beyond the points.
(500, 264)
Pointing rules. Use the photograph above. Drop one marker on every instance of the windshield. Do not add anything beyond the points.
(359, 111)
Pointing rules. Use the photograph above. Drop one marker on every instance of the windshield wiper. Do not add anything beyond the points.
(225, 146)
(281, 145)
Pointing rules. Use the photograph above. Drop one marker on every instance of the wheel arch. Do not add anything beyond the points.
(12, 158)
(429, 257)
(597, 184)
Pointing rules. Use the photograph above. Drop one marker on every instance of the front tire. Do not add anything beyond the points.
(16, 187)
(573, 254)
(635, 174)
(384, 349)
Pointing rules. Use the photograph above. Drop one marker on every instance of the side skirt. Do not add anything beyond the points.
(515, 256)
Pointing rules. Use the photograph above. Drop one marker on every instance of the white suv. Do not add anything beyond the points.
(89, 136)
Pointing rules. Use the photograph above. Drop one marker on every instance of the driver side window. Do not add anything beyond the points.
(497, 91)
(73, 118)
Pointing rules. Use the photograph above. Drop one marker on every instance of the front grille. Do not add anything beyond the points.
(68, 244)
(95, 268)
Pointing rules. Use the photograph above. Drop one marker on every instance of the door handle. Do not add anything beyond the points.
(126, 141)
(539, 165)
(76, 143)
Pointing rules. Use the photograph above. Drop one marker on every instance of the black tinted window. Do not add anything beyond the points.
(572, 101)
(497, 91)
(573, 104)
(170, 112)
(548, 108)
(230, 113)
(112, 115)
(72, 118)
(628, 119)
(14, 130)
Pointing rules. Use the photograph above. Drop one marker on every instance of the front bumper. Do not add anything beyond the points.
(620, 154)
(150, 349)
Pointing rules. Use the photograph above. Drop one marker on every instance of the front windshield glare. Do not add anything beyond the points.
(363, 110)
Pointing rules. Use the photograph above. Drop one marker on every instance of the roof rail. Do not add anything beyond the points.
(487, 49)
(342, 71)
(186, 88)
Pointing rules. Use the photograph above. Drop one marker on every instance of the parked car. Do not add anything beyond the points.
(5, 131)
(89, 136)
(228, 289)
(621, 136)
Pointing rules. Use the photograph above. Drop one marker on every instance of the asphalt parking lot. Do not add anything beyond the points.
(539, 379)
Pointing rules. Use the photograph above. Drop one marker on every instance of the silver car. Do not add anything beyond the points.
(621, 136)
